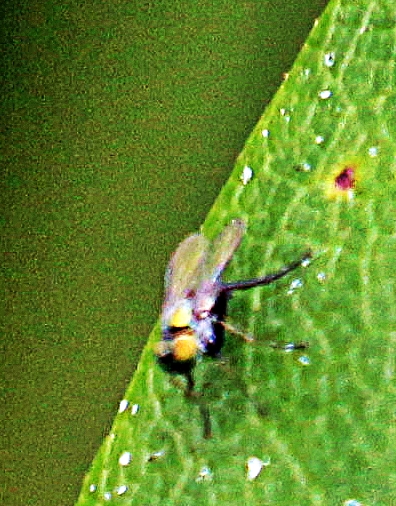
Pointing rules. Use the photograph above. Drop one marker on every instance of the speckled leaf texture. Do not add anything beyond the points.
(322, 419)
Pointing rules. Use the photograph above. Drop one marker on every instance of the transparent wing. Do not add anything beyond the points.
(220, 254)
(223, 248)
(183, 273)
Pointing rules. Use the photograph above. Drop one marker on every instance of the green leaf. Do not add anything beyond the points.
(323, 162)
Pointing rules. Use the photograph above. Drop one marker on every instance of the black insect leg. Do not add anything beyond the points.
(190, 383)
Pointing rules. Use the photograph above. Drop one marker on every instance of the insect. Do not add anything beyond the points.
(195, 305)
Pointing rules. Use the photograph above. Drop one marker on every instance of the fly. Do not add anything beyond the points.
(195, 305)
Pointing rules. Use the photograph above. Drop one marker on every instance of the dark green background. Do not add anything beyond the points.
(120, 122)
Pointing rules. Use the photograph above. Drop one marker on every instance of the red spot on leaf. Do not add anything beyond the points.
(346, 179)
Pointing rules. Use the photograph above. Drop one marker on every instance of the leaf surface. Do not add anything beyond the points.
(323, 177)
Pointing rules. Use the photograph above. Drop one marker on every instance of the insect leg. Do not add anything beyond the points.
(233, 330)
(190, 383)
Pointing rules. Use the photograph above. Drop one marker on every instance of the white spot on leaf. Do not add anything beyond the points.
(254, 466)
(296, 283)
(304, 360)
(306, 167)
(122, 489)
(156, 455)
(123, 406)
(325, 94)
(329, 59)
(205, 474)
(125, 459)
(373, 151)
(246, 175)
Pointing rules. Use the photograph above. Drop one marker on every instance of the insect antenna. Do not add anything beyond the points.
(265, 280)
